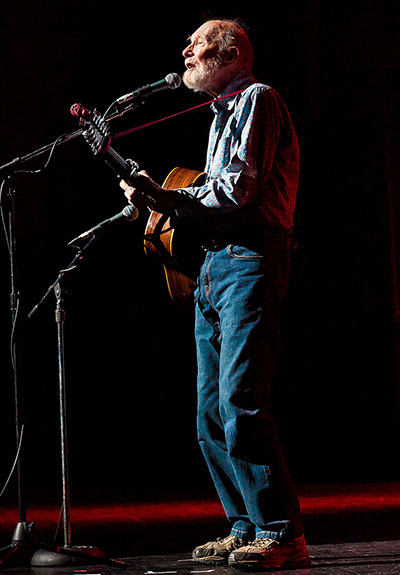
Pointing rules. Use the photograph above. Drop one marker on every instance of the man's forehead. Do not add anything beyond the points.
(202, 31)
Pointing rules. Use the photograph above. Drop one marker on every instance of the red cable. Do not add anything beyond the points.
(136, 128)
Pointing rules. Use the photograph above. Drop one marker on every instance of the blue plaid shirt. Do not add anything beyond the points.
(252, 156)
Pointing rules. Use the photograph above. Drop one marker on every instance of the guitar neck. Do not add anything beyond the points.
(98, 136)
(126, 169)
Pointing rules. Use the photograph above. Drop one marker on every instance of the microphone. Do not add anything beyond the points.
(129, 213)
(171, 81)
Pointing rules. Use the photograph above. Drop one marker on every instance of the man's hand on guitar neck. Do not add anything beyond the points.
(148, 193)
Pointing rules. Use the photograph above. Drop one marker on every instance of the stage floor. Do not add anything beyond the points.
(373, 558)
(350, 529)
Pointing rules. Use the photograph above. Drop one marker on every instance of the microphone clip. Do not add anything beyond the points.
(122, 107)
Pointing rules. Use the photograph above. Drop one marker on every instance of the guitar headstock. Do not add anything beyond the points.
(97, 133)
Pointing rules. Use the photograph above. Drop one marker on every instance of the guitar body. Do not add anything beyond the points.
(174, 242)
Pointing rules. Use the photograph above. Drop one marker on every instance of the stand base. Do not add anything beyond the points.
(43, 558)
(64, 556)
(7, 552)
(22, 531)
(21, 540)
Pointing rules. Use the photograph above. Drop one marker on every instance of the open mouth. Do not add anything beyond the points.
(190, 65)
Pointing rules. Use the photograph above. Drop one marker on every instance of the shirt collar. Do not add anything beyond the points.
(241, 81)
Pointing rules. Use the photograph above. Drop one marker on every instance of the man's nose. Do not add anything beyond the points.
(188, 51)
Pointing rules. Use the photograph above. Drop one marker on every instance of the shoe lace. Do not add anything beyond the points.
(262, 542)
(226, 539)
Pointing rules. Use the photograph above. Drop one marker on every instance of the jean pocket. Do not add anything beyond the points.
(243, 253)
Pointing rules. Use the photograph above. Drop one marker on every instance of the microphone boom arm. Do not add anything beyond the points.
(14, 164)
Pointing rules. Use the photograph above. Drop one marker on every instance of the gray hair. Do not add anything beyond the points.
(228, 33)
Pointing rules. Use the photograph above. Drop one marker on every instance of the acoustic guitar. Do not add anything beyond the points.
(173, 240)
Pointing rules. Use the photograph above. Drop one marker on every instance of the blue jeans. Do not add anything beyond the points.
(238, 343)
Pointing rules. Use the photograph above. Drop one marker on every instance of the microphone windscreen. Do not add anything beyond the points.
(130, 212)
(173, 80)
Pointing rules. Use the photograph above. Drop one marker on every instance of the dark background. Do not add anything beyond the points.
(129, 352)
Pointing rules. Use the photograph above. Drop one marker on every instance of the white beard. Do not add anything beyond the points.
(199, 78)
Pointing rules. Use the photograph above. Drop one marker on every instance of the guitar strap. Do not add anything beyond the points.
(137, 128)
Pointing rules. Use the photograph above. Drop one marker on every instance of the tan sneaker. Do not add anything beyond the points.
(217, 552)
(271, 554)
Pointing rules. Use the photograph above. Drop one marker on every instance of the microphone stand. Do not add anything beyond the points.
(7, 171)
(50, 556)
(23, 529)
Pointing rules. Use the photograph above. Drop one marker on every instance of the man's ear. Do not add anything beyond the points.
(231, 55)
